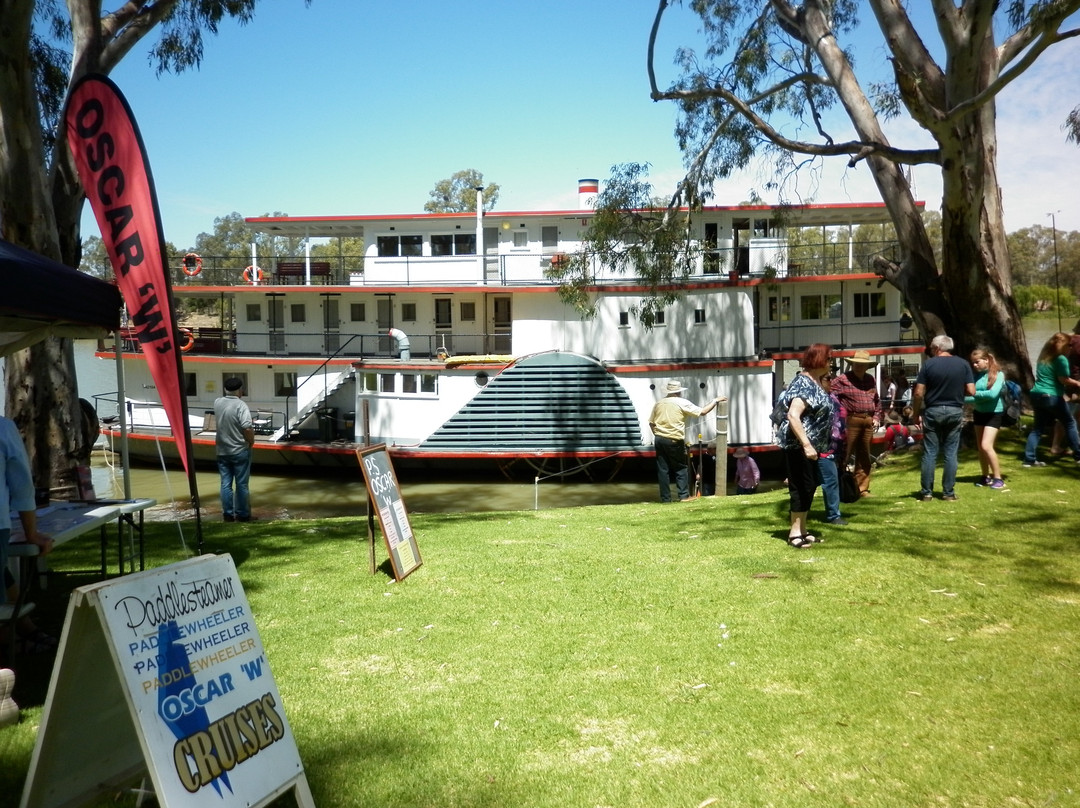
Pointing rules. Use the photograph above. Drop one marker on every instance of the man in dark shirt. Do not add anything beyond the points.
(938, 403)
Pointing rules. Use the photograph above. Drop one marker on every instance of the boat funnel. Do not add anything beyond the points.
(587, 191)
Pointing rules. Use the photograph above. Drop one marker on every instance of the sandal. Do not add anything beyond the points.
(812, 538)
(800, 542)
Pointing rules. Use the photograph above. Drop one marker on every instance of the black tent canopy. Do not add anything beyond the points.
(43, 298)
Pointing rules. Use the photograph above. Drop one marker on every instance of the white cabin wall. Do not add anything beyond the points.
(541, 323)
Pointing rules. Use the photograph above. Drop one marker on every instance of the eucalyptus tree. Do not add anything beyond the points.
(45, 47)
(777, 83)
(457, 193)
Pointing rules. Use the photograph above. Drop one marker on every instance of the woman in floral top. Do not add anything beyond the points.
(807, 431)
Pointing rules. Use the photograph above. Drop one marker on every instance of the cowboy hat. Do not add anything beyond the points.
(673, 387)
(861, 358)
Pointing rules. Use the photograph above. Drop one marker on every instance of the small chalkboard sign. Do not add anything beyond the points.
(382, 486)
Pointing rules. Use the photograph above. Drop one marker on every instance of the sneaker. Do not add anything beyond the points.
(9, 710)
(1034, 464)
(229, 517)
(985, 482)
(948, 497)
(925, 497)
(998, 483)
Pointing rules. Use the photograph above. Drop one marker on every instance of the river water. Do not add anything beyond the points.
(342, 493)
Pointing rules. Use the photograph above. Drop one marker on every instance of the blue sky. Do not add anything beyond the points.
(352, 107)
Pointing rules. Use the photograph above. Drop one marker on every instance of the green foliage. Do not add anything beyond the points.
(232, 238)
(1041, 298)
(458, 193)
(658, 656)
(629, 235)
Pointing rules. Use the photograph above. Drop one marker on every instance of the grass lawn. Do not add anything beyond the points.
(643, 655)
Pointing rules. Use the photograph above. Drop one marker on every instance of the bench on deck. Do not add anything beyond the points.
(298, 269)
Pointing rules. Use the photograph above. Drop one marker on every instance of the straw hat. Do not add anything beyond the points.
(673, 387)
(741, 451)
(862, 358)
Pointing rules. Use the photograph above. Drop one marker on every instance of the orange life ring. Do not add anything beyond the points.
(189, 340)
(188, 268)
(255, 272)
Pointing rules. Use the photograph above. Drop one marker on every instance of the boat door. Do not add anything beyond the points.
(444, 324)
(275, 323)
(501, 321)
(491, 253)
(331, 324)
(384, 319)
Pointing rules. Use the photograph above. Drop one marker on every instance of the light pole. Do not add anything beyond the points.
(1057, 283)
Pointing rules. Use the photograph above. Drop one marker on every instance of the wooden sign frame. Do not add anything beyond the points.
(151, 669)
(385, 493)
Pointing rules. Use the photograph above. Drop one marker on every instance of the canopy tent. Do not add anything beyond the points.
(43, 298)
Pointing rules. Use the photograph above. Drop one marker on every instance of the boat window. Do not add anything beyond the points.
(408, 312)
(189, 384)
(699, 316)
(549, 237)
(869, 304)
(408, 383)
(624, 318)
(254, 312)
(371, 382)
(779, 309)
(357, 312)
(398, 246)
(658, 318)
(468, 311)
(501, 306)
(427, 382)
(285, 384)
(481, 378)
(521, 239)
(820, 307)
(443, 312)
(298, 312)
(454, 244)
(387, 382)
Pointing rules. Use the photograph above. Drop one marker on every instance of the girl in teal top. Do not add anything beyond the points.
(988, 408)
(1048, 398)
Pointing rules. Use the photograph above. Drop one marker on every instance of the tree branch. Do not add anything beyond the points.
(859, 149)
(1004, 79)
(653, 90)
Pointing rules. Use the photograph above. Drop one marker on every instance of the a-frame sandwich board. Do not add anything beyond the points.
(163, 674)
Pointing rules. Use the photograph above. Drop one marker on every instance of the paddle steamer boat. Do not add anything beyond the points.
(500, 370)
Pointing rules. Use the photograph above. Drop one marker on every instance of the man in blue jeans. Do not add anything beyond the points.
(235, 437)
(938, 405)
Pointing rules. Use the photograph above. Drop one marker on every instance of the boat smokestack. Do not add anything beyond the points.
(587, 191)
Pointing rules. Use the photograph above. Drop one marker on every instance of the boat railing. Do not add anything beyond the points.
(768, 258)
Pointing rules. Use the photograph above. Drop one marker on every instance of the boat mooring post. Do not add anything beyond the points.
(720, 486)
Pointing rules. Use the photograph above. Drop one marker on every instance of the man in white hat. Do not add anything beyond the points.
(668, 424)
(857, 393)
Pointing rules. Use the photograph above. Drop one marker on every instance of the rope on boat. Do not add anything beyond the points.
(172, 497)
(563, 473)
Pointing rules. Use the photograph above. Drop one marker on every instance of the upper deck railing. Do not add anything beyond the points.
(763, 258)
